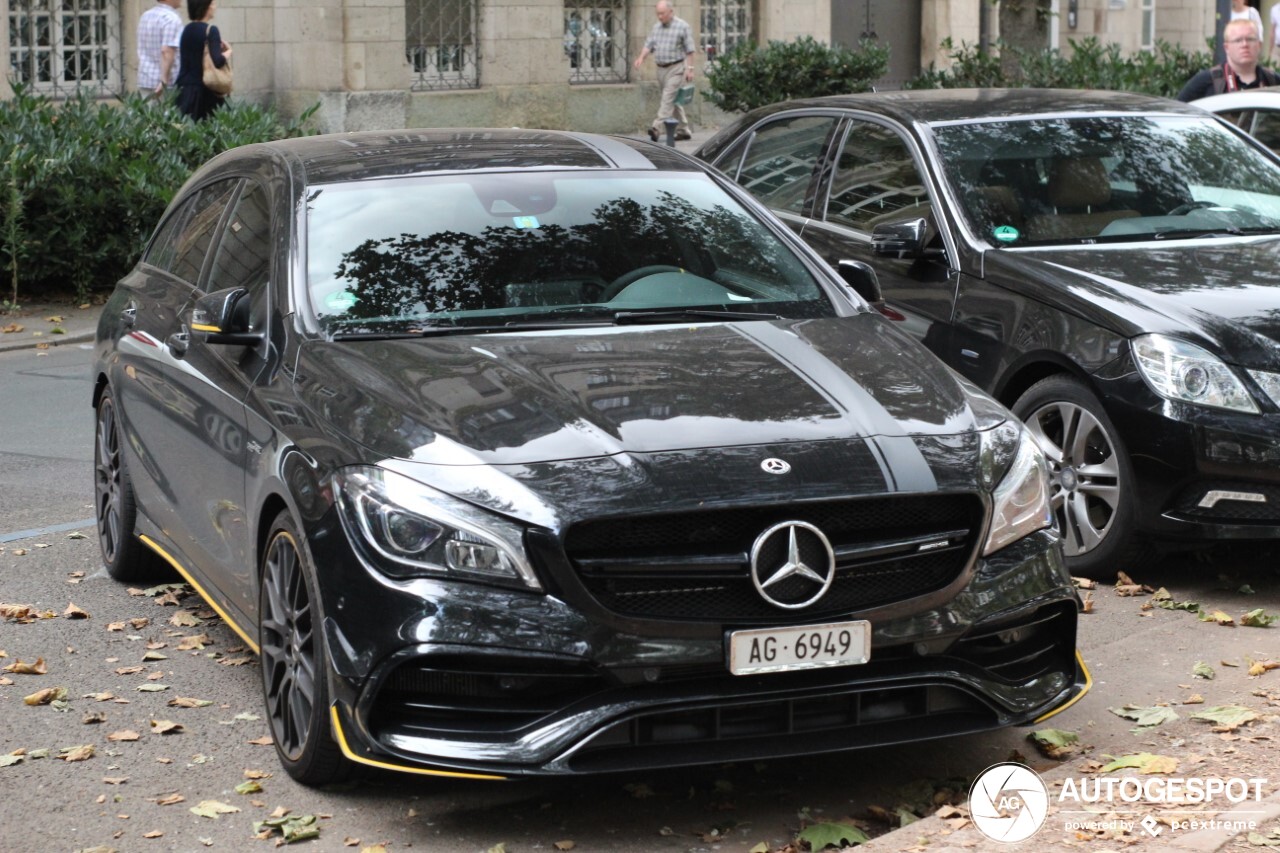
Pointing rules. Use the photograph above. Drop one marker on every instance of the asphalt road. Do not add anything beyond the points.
(125, 796)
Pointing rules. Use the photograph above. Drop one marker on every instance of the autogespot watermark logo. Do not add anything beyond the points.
(1008, 802)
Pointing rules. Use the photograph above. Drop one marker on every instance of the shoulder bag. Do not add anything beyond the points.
(216, 79)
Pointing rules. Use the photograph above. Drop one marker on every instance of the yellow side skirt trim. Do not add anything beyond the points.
(1088, 683)
(208, 599)
(346, 750)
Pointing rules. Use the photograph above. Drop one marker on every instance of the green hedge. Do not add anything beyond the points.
(84, 182)
(1091, 65)
(750, 76)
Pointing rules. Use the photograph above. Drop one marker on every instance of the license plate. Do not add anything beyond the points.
(807, 647)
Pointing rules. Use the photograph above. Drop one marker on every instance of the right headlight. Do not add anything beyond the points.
(1020, 499)
(407, 529)
(1182, 371)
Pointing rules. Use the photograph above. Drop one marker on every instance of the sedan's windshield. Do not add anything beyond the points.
(1108, 178)
(523, 250)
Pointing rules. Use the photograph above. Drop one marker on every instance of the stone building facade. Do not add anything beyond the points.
(532, 63)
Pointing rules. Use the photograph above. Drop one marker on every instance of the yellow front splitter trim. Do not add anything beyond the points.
(341, 738)
(1088, 683)
(208, 599)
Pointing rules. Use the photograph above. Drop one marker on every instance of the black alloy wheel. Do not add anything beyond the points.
(295, 664)
(1091, 481)
(123, 554)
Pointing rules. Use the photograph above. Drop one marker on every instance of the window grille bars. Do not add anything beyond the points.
(595, 40)
(440, 42)
(64, 47)
(725, 23)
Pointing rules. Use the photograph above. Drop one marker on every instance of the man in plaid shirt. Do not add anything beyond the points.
(671, 43)
(159, 31)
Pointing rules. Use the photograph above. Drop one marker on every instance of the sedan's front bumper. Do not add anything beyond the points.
(489, 683)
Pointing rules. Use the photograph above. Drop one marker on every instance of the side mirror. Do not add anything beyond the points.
(862, 278)
(222, 317)
(902, 239)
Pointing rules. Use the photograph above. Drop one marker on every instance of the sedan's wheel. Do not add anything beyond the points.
(1092, 481)
(125, 557)
(295, 664)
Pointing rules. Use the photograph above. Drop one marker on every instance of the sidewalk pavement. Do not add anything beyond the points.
(42, 324)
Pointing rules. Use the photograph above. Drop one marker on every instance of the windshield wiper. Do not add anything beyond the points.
(666, 315)
(447, 330)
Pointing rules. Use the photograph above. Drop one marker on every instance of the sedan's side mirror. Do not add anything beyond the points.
(862, 278)
(222, 317)
(902, 239)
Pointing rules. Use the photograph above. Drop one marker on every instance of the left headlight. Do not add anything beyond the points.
(1020, 499)
(407, 530)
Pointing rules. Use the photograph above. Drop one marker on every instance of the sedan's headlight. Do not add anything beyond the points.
(410, 530)
(1269, 382)
(1020, 500)
(1182, 371)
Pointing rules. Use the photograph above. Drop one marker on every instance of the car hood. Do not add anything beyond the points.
(524, 398)
(1223, 294)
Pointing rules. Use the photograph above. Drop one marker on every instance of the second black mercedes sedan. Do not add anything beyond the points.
(522, 452)
(1106, 264)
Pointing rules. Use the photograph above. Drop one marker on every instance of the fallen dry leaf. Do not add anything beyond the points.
(12, 328)
(74, 612)
(171, 800)
(155, 833)
(196, 641)
(139, 622)
(265, 740)
(123, 735)
(115, 780)
(76, 753)
(184, 619)
(19, 667)
(43, 697)
(115, 626)
(165, 727)
(188, 702)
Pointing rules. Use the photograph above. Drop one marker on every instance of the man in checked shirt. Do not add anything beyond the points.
(671, 43)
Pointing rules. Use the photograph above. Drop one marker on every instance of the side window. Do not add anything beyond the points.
(780, 164)
(243, 256)
(875, 180)
(191, 242)
(1266, 128)
(162, 249)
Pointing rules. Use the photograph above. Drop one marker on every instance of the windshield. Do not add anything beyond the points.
(497, 251)
(1108, 178)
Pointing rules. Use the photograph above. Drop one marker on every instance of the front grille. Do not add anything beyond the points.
(780, 727)
(1188, 503)
(695, 566)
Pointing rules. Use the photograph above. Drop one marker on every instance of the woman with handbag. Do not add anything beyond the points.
(205, 61)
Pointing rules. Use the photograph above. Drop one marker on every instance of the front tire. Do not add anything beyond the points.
(295, 664)
(1092, 484)
(126, 558)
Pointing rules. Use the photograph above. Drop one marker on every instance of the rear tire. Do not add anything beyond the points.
(295, 663)
(126, 558)
(1092, 485)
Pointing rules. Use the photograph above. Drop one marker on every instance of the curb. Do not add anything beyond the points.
(32, 342)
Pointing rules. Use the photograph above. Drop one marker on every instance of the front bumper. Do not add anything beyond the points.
(504, 683)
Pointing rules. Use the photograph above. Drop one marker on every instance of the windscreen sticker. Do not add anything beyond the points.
(341, 300)
(1006, 233)
(525, 221)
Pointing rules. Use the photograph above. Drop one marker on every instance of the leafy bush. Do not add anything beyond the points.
(85, 182)
(750, 76)
(1091, 65)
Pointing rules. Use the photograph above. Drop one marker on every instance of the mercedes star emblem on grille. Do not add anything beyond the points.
(792, 564)
(775, 466)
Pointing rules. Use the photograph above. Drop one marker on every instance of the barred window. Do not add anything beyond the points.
(440, 41)
(595, 40)
(60, 47)
(725, 23)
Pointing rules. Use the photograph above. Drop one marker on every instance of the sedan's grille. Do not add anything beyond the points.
(695, 566)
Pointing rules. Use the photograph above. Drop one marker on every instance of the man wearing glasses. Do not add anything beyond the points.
(1240, 71)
